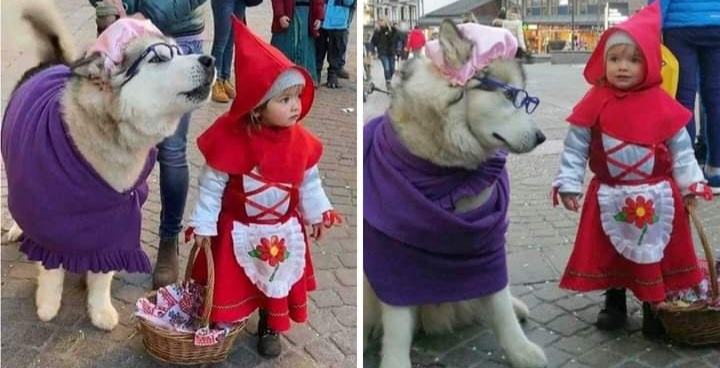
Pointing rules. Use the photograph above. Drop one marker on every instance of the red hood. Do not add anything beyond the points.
(646, 114)
(231, 146)
(644, 29)
(259, 62)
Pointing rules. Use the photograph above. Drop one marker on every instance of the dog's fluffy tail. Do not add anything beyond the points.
(54, 42)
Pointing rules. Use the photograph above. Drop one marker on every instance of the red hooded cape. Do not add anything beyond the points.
(646, 114)
(230, 145)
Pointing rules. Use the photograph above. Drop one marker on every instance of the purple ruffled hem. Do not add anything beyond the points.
(118, 260)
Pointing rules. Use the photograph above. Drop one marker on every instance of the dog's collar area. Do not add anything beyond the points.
(161, 51)
(518, 96)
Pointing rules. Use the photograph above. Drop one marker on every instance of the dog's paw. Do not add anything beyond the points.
(520, 308)
(14, 233)
(103, 317)
(526, 355)
(47, 309)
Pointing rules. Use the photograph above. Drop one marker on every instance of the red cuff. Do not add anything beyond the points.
(701, 190)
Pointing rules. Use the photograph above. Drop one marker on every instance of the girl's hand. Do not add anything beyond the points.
(330, 218)
(200, 240)
(284, 21)
(316, 24)
(570, 201)
(317, 231)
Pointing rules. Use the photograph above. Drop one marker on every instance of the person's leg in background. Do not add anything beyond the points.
(709, 43)
(385, 60)
(322, 43)
(336, 49)
(226, 67)
(174, 179)
(679, 41)
(222, 43)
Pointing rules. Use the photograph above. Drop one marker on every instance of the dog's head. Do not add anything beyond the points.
(467, 122)
(155, 84)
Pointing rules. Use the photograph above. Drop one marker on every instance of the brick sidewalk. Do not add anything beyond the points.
(539, 243)
(70, 340)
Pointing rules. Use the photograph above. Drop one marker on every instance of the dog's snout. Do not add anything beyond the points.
(539, 137)
(207, 61)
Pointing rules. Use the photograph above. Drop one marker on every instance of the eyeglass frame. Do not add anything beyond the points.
(529, 102)
(133, 69)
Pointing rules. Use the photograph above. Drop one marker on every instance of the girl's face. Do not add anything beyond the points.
(283, 110)
(624, 66)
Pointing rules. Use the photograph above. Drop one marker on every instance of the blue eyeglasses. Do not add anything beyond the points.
(161, 51)
(518, 96)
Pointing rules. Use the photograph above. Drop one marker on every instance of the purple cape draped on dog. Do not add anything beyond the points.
(416, 250)
(69, 215)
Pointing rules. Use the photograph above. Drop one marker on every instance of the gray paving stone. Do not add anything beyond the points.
(574, 345)
(347, 316)
(325, 351)
(550, 293)
(567, 325)
(574, 303)
(345, 341)
(347, 277)
(542, 336)
(631, 364)
(463, 357)
(545, 313)
(659, 357)
(326, 298)
(600, 358)
(556, 357)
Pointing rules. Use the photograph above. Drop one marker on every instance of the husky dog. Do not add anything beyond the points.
(455, 127)
(114, 120)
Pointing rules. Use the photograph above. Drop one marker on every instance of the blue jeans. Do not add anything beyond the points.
(174, 174)
(698, 53)
(222, 46)
(388, 64)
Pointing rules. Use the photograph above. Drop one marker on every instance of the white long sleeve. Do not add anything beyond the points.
(313, 201)
(686, 170)
(573, 161)
(211, 185)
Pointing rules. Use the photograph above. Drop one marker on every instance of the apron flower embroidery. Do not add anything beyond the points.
(273, 251)
(638, 211)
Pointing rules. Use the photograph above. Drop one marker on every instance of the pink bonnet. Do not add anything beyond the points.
(489, 43)
(114, 39)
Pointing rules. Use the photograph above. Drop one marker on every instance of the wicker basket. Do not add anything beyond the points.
(695, 325)
(178, 347)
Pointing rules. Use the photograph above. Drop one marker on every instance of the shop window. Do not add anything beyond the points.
(563, 10)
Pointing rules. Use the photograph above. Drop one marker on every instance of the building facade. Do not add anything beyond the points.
(402, 12)
(569, 24)
(549, 25)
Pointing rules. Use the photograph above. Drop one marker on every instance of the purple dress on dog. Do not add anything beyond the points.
(69, 215)
(415, 249)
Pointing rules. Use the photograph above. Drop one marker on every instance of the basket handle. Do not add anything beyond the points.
(707, 249)
(210, 286)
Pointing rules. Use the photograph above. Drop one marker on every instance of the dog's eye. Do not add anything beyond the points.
(157, 59)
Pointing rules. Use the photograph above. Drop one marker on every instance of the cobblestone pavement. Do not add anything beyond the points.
(539, 243)
(70, 340)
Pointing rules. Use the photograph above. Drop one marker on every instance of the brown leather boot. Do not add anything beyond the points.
(166, 267)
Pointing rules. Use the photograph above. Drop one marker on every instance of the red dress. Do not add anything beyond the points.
(236, 296)
(595, 264)
(644, 118)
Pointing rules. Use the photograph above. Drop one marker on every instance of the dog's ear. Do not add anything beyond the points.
(91, 67)
(455, 47)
